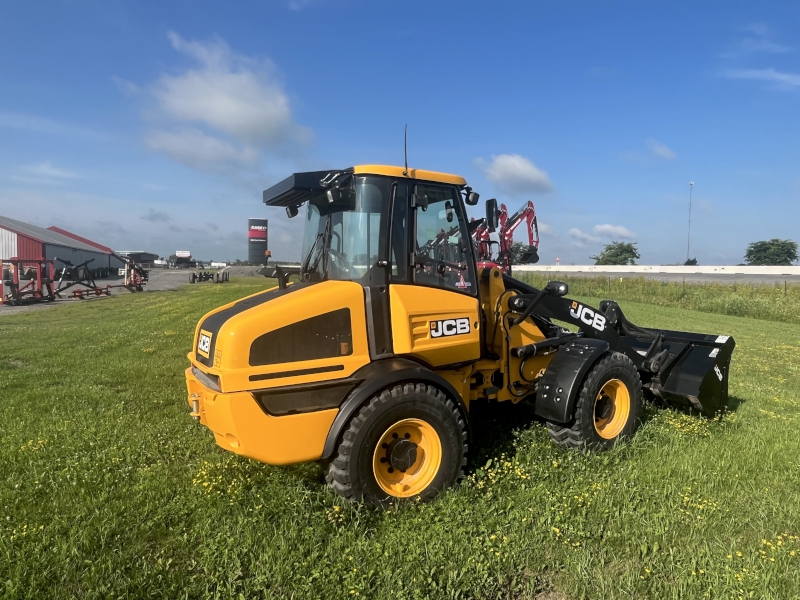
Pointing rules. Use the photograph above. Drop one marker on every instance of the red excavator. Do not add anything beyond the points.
(481, 228)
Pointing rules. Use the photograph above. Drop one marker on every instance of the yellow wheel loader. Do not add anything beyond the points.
(369, 363)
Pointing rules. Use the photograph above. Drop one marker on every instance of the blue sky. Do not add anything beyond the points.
(155, 125)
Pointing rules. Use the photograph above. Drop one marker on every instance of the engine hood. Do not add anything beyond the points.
(306, 331)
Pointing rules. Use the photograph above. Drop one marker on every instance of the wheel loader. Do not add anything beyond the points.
(370, 359)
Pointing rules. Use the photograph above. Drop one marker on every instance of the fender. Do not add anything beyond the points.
(558, 390)
(379, 375)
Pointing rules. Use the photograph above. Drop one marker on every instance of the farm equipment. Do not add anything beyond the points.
(135, 276)
(371, 362)
(80, 274)
(481, 228)
(71, 275)
(26, 281)
(218, 277)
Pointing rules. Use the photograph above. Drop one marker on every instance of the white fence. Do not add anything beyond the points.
(647, 269)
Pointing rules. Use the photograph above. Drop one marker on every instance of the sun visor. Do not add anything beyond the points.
(295, 189)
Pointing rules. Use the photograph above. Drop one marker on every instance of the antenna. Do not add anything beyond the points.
(405, 150)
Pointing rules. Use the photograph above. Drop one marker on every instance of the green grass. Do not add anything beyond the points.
(108, 489)
(774, 302)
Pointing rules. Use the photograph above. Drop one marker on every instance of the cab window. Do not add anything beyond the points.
(441, 256)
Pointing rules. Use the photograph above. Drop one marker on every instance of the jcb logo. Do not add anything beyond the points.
(204, 344)
(449, 327)
(588, 316)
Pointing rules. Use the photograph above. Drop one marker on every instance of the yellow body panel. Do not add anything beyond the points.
(500, 338)
(412, 174)
(415, 307)
(239, 425)
(233, 341)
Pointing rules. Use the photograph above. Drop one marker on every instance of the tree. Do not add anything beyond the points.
(692, 262)
(772, 252)
(617, 253)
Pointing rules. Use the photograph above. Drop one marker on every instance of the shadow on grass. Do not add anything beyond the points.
(657, 405)
(493, 426)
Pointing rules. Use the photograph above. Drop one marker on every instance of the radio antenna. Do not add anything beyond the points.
(405, 150)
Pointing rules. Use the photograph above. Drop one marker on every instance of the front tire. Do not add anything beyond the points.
(406, 442)
(608, 409)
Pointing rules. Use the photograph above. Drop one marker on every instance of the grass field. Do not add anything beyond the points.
(774, 302)
(108, 489)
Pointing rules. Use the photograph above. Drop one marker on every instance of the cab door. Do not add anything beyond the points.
(434, 302)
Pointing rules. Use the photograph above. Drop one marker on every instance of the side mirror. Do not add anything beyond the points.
(492, 215)
(556, 288)
(419, 201)
(448, 209)
(291, 211)
(472, 198)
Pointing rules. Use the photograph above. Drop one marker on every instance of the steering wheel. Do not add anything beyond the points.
(338, 262)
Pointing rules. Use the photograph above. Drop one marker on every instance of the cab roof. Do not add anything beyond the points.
(299, 187)
(412, 174)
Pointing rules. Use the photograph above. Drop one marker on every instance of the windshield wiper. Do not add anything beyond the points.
(321, 236)
(317, 238)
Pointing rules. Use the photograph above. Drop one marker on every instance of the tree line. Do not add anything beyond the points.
(774, 252)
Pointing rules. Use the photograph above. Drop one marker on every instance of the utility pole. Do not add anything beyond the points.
(689, 232)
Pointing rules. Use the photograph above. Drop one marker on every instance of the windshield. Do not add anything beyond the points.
(344, 240)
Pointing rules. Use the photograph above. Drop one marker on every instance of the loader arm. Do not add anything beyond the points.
(681, 367)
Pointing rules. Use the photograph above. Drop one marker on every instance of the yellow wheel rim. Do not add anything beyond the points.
(612, 407)
(407, 458)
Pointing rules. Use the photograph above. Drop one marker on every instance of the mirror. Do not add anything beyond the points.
(291, 211)
(472, 198)
(556, 288)
(492, 215)
(448, 209)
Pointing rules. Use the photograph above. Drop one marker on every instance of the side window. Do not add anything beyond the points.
(400, 234)
(442, 256)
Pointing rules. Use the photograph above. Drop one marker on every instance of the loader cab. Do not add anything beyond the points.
(378, 230)
(402, 235)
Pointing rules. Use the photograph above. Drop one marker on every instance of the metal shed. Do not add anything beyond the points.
(26, 241)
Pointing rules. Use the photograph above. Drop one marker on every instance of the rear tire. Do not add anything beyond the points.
(406, 442)
(608, 409)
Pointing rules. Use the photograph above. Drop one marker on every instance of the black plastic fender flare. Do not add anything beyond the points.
(379, 375)
(558, 390)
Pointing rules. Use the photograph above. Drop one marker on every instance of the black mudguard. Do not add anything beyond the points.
(561, 383)
(376, 377)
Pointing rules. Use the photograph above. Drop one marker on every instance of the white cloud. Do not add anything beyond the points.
(660, 150)
(614, 231)
(47, 170)
(227, 109)
(756, 45)
(544, 228)
(34, 124)
(581, 237)
(770, 75)
(200, 151)
(515, 174)
(761, 41)
(126, 87)
(760, 29)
